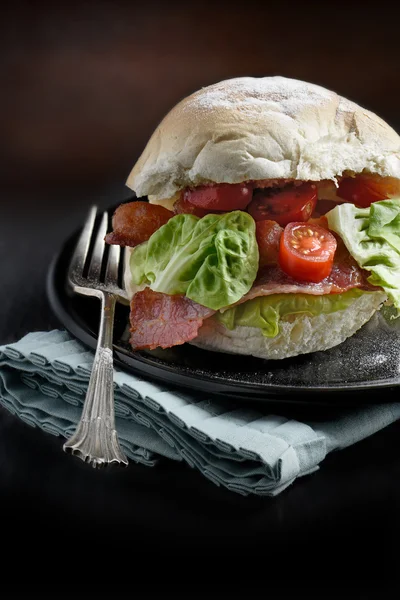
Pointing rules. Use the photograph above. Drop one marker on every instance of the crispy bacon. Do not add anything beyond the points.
(343, 277)
(160, 320)
(134, 222)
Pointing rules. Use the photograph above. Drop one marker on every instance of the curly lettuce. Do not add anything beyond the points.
(212, 260)
(267, 312)
(372, 236)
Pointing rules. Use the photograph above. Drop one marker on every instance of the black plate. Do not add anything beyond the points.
(365, 368)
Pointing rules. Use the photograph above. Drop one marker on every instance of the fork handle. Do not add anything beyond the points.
(95, 439)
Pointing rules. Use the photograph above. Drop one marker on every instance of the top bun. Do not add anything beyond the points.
(263, 128)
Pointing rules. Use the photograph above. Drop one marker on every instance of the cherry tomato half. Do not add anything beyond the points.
(223, 196)
(296, 203)
(362, 190)
(268, 234)
(306, 252)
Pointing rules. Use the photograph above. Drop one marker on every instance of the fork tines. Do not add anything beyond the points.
(96, 265)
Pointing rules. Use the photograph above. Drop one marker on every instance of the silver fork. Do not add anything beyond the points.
(95, 440)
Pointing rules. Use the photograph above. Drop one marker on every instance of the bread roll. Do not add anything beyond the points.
(263, 128)
(303, 335)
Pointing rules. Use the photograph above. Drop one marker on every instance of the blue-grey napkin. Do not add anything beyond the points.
(44, 377)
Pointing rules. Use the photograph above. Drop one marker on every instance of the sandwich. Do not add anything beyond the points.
(266, 221)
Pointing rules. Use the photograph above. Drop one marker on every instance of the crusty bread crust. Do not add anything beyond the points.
(263, 128)
(303, 335)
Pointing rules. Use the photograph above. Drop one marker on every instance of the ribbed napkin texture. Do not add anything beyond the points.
(44, 377)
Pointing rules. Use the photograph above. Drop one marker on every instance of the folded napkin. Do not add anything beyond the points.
(44, 377)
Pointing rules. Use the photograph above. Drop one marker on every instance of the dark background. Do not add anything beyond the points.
(83, 86)
(85, 83)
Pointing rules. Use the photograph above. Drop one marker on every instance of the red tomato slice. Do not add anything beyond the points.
(223, 196)
(183, 206)
(268, 234)
(296, 203)
(365, 189)
(306, 252)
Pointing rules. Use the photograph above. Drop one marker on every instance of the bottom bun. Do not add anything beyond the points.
(303, 335)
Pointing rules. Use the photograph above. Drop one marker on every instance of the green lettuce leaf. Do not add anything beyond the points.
(213, 260)
(372, 236)
(266, 312)
(385, 222)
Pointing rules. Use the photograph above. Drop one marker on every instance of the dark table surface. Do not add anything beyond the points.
(348, 509)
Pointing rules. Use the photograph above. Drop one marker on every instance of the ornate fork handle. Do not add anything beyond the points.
(95, 439)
